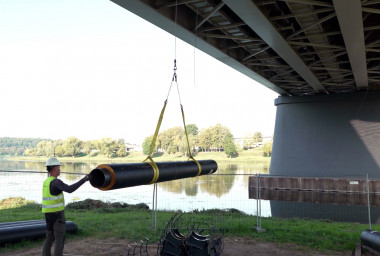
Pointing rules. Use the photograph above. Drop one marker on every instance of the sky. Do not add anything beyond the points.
(91, 69)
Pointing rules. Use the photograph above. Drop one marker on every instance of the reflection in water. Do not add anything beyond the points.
(191, 190)
(37, 166)
(13, 165)
(217, 184)
(74, 167)
(175, 186)
(67, 167)
(228, 188)
(224, 190)
(83, 168)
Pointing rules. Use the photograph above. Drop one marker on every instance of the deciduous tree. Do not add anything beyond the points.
(183, 147)
(229, 145)
(107, 146)
(146, 145)
(213, 137)
(247, 141)
(257, 137)
(121, 152)
(192, 129)
(170, 139)
(71, 146)
(267, 148)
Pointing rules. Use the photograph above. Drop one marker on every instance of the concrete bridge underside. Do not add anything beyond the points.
(321, 56)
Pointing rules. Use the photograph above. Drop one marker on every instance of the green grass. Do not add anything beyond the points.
(134, 223)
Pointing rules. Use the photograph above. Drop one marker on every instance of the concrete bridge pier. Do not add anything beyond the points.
(327, 135)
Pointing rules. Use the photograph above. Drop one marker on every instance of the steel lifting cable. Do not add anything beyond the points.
(149, 157)
(174, 79)
(187, 137)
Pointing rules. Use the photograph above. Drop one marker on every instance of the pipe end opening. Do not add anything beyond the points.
(97, 178)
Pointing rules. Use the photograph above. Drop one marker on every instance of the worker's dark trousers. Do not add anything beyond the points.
(55, 230)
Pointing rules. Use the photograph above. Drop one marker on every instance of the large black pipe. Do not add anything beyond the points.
(114, 176)
(371, 239)
(20, 223)
(11, 232)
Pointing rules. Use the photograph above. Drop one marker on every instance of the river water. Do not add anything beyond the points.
(226, 189)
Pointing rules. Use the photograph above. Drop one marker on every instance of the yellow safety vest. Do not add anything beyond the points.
(51, 203)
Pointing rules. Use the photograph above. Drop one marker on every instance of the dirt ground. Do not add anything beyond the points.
(232, 247)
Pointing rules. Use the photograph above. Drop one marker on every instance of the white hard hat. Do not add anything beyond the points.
(52, 162)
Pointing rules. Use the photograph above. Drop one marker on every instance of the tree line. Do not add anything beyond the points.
(214, 138)
(173, 140)
(73, 147)
(16, 146)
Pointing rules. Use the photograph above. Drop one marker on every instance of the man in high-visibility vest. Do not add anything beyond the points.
(53, 205)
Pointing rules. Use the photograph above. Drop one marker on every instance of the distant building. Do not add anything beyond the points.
(267, 138)
(133, 147)
(240, 142)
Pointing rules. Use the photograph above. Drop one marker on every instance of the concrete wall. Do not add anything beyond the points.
(327, 136)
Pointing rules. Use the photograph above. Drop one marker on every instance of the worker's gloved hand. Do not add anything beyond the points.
(88, 177)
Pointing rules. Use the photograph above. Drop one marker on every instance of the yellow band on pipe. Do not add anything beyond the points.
(155, 170)
(199, 166)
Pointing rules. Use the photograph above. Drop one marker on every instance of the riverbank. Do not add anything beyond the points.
(254, 155)
(105, 222)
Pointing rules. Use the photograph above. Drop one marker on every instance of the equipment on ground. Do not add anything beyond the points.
(11, 232)
(175, 242)
(371, 239)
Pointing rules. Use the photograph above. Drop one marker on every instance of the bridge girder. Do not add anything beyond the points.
(293, 47)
